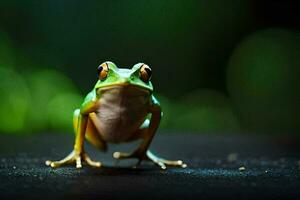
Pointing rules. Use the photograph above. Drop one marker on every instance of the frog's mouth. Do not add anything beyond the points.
(123, 86)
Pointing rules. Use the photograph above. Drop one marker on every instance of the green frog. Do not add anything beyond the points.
(120, 108)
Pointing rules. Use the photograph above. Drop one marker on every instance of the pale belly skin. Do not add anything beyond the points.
(122, 112)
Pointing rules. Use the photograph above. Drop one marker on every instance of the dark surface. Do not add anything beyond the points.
(272, 169)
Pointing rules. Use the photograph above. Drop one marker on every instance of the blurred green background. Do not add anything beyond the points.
(219, 66)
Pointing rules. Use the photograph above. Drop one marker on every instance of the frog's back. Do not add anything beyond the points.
(122, 111)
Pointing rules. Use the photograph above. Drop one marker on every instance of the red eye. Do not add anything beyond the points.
(145, 73)
(103, 71)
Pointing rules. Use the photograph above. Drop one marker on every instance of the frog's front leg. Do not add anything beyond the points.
(147, 134)
(78, 154)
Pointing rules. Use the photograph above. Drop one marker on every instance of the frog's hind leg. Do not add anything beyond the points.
(143, 133)
(91, 134)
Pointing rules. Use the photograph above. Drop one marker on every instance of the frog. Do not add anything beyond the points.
(121, 108)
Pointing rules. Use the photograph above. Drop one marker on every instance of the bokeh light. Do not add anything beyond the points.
(263, 81)
(204, 110)
(15, 101)
(60, 111)
(46, 86)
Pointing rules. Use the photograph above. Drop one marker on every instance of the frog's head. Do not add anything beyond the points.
(110, 75)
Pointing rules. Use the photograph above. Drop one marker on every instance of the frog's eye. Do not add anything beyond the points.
(145, 73)
(103, 71)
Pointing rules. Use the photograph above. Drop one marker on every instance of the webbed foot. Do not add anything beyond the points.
(148, 156)
(74, 157)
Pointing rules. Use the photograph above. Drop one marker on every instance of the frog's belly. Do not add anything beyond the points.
(122, 111)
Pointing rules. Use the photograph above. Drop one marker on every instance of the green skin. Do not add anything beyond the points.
(120, 108)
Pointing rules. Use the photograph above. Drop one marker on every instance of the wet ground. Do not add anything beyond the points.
(219, 166)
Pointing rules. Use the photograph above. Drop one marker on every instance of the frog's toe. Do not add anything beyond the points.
(135, 155)
(48, 162)
(90, 162)
(68, 159)
(121, 155)
(78, 162)
(163, 163)
(54, 164)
